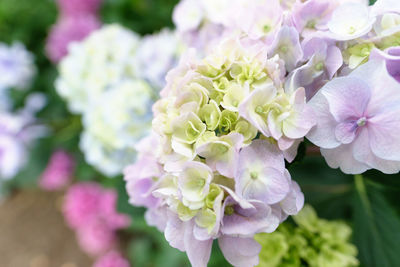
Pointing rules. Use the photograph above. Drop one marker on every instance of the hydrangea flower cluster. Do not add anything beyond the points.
(90, 210)
(112, 78)
(316, 242)
(321, 40)
(214, 165)
(77, 19)
(95, 65)
(222, 130)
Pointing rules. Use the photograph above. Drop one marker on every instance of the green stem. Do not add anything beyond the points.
(362, 191)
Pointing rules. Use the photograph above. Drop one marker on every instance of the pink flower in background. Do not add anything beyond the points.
(59, 171)
(90, 210)
(78, 7)
(112, 259)
(109, 213)
(82, 204)
(67, 30)
(96, 237)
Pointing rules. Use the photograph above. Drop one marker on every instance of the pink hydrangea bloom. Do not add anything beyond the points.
(59, 171)
(82, 202)
(112, 259)
(78, 7)
(67, 30)
(96, 237)
(359, 120)
(91, 211)
(85, 202)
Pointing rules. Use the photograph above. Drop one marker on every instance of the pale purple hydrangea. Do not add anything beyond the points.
(246, 209)
(214, 166)
(16, 67)
(226, 187)
(358, 120)
(18, 133)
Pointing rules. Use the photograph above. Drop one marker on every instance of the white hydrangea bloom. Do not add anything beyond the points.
(156, 55)
(16, 66)
(98, 63)
(114, 123)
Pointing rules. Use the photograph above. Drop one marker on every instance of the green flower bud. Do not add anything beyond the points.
(314, 242)
(215, 191)
(211, 115)
(358, 54)
(248, 131)
(184, 213)
(187, 128)
(228, 121)
(390, 41)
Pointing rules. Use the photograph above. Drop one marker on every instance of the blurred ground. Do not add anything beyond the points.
(33, 233)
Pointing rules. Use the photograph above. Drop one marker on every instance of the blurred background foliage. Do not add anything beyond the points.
(371, 203)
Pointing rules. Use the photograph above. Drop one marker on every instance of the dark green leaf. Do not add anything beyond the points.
(376, 227)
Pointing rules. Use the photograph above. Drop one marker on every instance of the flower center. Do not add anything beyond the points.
(352, 30)
(254, 175)
(311, 24)
(201, 182)
(266, 28)
(319, 66)
(259, 110)
(362, 121)
(283, 48)
(229, 210)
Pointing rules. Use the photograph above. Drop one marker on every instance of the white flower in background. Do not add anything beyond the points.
(18, 131)
(95, 65)
(114, 123)
(156, 55)
(16, 66)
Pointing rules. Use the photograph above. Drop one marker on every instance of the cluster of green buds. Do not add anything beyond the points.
(312, 242)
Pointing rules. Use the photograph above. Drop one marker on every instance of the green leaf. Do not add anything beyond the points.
(376, 227)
